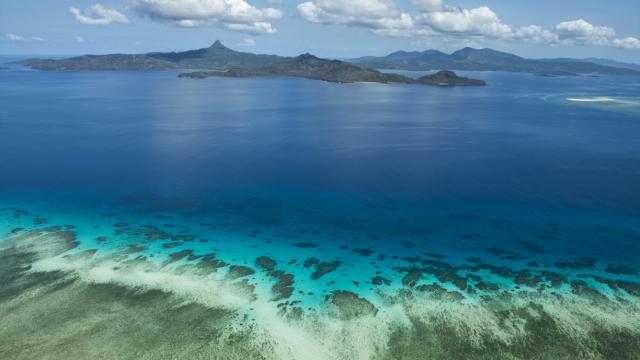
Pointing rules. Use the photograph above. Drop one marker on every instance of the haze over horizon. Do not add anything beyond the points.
(328, 28)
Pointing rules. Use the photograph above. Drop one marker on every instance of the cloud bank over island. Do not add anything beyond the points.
(434, 18)
(342, 28)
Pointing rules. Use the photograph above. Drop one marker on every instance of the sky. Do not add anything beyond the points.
(329, 28)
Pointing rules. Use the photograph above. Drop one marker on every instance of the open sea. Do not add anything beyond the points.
(147, 216)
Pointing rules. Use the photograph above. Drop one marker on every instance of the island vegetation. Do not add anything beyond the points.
(311, 67)
(217, 56)
(491, 60)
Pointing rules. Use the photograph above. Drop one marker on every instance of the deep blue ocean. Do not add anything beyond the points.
(526, 172)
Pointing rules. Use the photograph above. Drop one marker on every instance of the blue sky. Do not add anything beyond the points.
(332, 28)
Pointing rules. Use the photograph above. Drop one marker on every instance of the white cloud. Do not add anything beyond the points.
(258, 27)
(373, 14)
(98, 15)
(627, 43)
(480, 21)
(80, 39)
(435, 19)
(19, 38)
(14, 37)
(231, 14)
(248, 42)
(582, 32)
(535, 34)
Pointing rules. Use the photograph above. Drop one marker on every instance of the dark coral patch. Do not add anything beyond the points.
(266, 263)
(412, 277)
(239, 271)
(527, 279)
(621, 270)
(379, 280)
(305, 245)
(283, 288)
(556, 279)
(583, 263)
(630, 287)
(310, 262)
(498, 251)
(40, 220)
(484, 286)
(363, 252)
(440, 292)
(171, 245)
(177, 256)
(151, 233)
(350, 305)
(209, 263)
(501, 271)
(324, 268)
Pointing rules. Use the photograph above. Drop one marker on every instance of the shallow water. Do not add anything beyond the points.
(349, 221)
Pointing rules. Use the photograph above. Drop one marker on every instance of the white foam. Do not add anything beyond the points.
(606, 99)
(593, 99)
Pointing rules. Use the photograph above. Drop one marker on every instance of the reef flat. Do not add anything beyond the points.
(146, 284)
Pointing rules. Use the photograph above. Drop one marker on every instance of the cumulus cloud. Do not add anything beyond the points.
(627, 43)
(581, 31)
(98, 15)
(434, 18)
(480, 21)
(535, 34)
(373, 14)
(18, 38)
(383, 16)
(236, 15)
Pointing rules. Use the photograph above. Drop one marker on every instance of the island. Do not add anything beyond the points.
(217, 56)
(492, 60)
(308, 66)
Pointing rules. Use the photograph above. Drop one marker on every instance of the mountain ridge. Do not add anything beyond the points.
(308, 66)
(220, 57)
(216, 56)
(488, 60)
